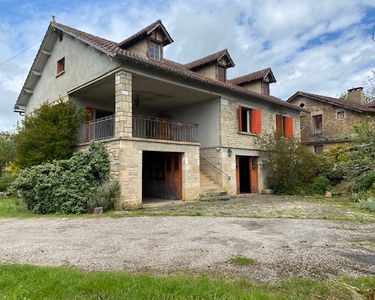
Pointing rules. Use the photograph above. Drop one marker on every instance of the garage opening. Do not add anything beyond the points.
(247, 174)
(161, 175)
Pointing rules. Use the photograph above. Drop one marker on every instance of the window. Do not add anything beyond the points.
(302, 105)
(318, 124)
(318, 149)
(154, 50)
(221, 73)
(61, 66)
(249, 120)
(284, 126)
(340, 114)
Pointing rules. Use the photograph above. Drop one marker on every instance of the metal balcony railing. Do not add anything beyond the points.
(98, 129)
(164, 129)
(143, 127)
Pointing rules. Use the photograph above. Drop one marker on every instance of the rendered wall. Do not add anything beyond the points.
(82, 64)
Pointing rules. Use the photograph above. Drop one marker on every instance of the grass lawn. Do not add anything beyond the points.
(254, 206)
(29, 282)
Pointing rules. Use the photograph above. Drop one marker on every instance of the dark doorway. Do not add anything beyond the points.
(162, 175)
(247, 174)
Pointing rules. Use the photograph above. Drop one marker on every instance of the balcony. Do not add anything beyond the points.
(143, 127)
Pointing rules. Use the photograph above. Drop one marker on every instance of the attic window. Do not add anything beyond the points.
(302, 105)
(154, 50)
(61, 66)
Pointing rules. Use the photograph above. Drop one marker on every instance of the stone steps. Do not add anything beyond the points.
(210, 190)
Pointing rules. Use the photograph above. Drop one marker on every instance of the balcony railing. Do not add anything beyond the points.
(143, 127)
(164, 129)
(98, 129)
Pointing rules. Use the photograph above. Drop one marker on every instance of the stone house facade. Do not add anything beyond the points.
(172, 130)
(329, 121)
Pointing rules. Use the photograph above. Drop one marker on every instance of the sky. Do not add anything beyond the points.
(317, 46)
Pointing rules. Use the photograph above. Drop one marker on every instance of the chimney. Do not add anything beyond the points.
(355, 95)
(53, 19)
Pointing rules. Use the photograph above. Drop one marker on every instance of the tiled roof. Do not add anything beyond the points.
(252, 77)
(209, 59)
(143, 32)
(334, 101)
(113, 49)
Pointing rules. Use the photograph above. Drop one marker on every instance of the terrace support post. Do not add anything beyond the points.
(129, 163)
(123, 104)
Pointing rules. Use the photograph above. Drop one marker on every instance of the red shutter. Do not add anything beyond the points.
(90, 113)
(288, 127)
(240, 118)
(256, 121)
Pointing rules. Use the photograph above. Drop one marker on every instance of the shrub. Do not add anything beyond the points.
(49, 134)
(366, 183)
(5, 182)
(368, 204)
(64, 186)
(320, 185)
(105, 197)
(290, 166)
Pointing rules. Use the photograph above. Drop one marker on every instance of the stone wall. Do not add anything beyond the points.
(230, 135)
(335, 130)
(126, 167)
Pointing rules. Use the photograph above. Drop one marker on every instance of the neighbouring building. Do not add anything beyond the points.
(329, 120)
(173, 130)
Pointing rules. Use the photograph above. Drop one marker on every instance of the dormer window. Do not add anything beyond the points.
(154, 50)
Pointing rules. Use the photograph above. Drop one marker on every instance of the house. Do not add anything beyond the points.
(173, 130)
(330, 120)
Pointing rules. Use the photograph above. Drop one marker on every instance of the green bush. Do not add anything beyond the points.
(105, 197)
(50, 133)
(290, 166)
(64, 186)
(366, 183)
(320, 185)
(5, 182)
(367, 204)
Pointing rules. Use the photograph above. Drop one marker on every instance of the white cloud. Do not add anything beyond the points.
(317, 46)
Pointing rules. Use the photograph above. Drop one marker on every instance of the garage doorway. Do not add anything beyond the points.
(247, 174)
(162, 175)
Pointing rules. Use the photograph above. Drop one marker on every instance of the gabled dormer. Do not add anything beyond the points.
(258, 81)
(149, 41)
(213, 66)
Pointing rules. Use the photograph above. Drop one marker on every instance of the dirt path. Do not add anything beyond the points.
(282, 248)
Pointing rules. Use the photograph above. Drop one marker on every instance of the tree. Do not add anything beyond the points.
(369, 86)
(49, 133)
(290, 166)
(7, 149)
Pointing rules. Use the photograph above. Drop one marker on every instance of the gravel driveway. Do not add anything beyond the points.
(283, 248)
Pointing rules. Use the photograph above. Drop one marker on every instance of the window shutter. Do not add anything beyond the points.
(256, 121)
(288, 127)
(279, 124)
(240, 118)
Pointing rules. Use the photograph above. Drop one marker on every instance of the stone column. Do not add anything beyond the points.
(123, 104)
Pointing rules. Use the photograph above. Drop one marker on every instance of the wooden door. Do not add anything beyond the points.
(238, 174)
(173, 175)
(253, 168)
